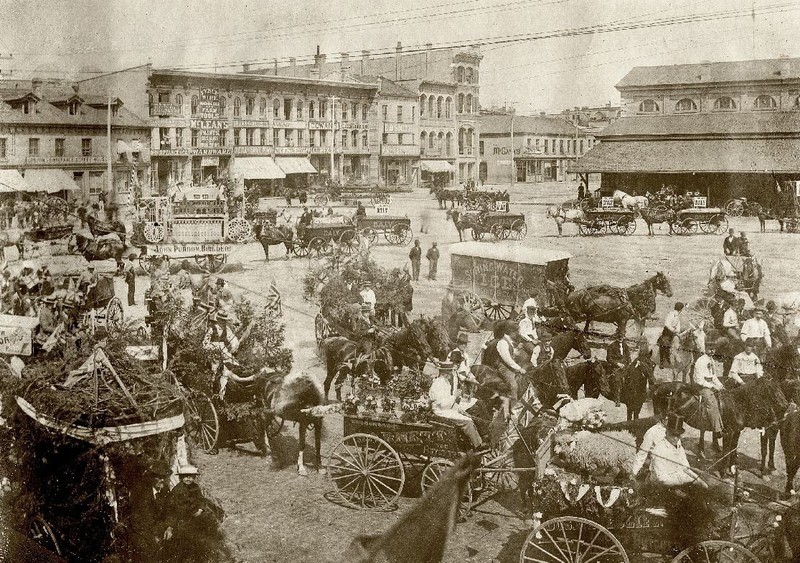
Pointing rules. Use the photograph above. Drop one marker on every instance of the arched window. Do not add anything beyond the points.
(724, 103)
(649, 106)
(422, 138)
(460, 104)
(765, 102)
(460, 76)
(323, 109)
(311, 110)
(448, 144)
(179, 100)
(195, 105)
(469, 75)
(431, 140)
(439, 102)
(276, 108)
(431, 101)
(686, 104)
(364, 113)
(448, 108)
(237, 107)
(468, 104)
(299, 110)
(422, 101)
(223, 104)
(461, 136)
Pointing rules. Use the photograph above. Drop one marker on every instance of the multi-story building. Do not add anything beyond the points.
(435, 76)
(592, 119)
(540, 151)
(54, 138)
(724, 129)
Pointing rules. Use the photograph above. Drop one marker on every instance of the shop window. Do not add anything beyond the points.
(33, 146)
(249, 106)
(195, 105)
(649, 106)
(86, 147)
(685, 105)
(262, 107)
(59, 147)
(724, 103)
(195, 138)
(364, 112)
(237, 107)
(765, 102)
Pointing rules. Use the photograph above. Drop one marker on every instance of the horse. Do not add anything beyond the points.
(463, 221)
(629, 384)
(561, 216)
(564, 341)
(684, 351)
(756, 404)
(615, 305)
(590, 375)
(629, 201)
(654, 216)
(98, 248)
(444, 195)
(438, 335)
(272, 235)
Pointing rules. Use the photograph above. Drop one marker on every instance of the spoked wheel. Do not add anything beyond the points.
(321, 199)
(300, 249)
(114, 315)
(318, 247)
(474, 305)
(348, 242)
(366, 472)
(689, 226)
(370, 234)
(570, 539)
(402, 234)
(519, 230)
(212, 263)
(42, 533)
(239, 229)
(734, 208)
(148, 263)
(719, 222)
(585, 229)
(476, 234)
(719, 551)
(321, 328)
(202, 421)
(499, 480)
(153, 232)
(432, 474)
(497, 311)
(626, 226)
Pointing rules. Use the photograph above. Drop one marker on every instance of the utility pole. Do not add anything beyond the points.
(332, 100)
(110, 182)
(513, 162)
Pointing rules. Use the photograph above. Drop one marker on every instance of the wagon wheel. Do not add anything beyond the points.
(321, 328)
(432, 474)
(321, 200)
(114, 316)
(734, 208)
(153, 232)
(366, 472)
(556, 540)
(688, 226)
(474, 305)
(370, 234)
(499, 231)
(55, 207)
(402, 233)
(719, 222)
(601, 227)
(586, 229)
(318, 247)
(497, 311)
(202, 422)
(239, 229)
(476, 234)
(626, 225)
(499, 480)
(717, 550)
(300, 248)
(519, 230)
(212, 263)
(700, 310)
(348, 242)
(42, 533)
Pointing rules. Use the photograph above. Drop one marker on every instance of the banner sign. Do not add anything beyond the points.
(16, 335)
(197, 249)
(209, 103)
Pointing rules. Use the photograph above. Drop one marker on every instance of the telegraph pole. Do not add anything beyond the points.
(332, 100)
(110, 182)
(513, 163)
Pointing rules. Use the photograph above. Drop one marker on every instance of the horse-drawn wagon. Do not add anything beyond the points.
(501, 224)
(325, 233)
(494, 281)
(709, 220)
(195, 224)
(608, 218)
(395, 229)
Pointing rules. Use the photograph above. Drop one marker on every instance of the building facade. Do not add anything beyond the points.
(541, 150)
(56, 138)
(724, 129)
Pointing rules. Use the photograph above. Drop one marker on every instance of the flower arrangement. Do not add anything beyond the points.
(370, 404)
(388, 404)
(418, 410)
(350, 404)
(593, 420)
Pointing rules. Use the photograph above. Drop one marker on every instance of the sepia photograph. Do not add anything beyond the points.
(445, 281)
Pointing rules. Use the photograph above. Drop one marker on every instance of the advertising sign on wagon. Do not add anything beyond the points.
(16, 334)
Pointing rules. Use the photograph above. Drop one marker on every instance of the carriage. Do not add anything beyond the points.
(699, 217)
(608, 218)
(494, 281)
(395, 229)
(475, 200)
(500, 224)
(324, 235)
(195, 224)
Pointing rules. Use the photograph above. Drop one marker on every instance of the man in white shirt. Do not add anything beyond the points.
(705, 377)
(463, 378)
(531, 302)
(449, 407)
(756, 329)
(669, 466)
(222, 343)
(730, 320)
(672, 327)
(368, 296)
(528, 333)
(746, 365)
(653, 436)
(499, 355)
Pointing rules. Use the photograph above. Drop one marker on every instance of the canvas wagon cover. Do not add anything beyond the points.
(505, 274)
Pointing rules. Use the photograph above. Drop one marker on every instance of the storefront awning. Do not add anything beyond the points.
(12, 181)
(727, 156)
(436, 166)
(295, 165)
(257, 168)
(50, 180)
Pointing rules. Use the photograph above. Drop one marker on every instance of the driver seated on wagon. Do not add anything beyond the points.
(448, 406)
(223, 343)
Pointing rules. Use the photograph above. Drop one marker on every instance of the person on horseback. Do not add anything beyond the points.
(448, 406)
(221, 341)
(746, 364)
(618, 353)
(709, 384)
(757, 330)
(672, 327)
(463, 375)
(499, 355)
(528, 333)
(730, 320)
(546, 350)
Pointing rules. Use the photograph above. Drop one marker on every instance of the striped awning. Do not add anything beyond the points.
(257, 168)
(435, 166)
(295, 165)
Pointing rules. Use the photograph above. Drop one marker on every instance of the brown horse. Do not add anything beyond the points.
(463, 221)
(605, 303)
(629, 384)
(654, 216)
(272, 235)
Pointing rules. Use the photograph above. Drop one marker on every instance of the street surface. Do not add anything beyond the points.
(278, 516)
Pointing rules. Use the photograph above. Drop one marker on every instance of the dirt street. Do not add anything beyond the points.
(278, 516)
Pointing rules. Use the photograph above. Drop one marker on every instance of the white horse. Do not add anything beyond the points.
(681, 355)
(562, 216)
(629, 201)
(789, 309)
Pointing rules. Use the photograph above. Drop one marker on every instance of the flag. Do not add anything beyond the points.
(274, 299)
(420, 536)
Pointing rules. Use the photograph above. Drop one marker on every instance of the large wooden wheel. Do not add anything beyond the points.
(718, 551)
(474, 305)
(587, 228)
(626, 225)
(497, 311)
(153, 232)
(499, 480)
(734, 208)
(689, 226)
(519, 230)
(366, 472)
(348, 242)
(300, 248)
(321, 200)
(321, 328)
(114, 316)
(318, 247)
(719, 222)
(202, 421)
(211, 263)
(239, 229)
(402, 234)
(570, 539)
(432, 474)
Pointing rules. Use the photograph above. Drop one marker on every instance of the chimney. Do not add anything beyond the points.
(36, 85)
(365, 58)
(246, 68)
(344, 65)
(398, 51)
(275, 66)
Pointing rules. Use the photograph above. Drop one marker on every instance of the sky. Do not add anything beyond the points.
(48, 37)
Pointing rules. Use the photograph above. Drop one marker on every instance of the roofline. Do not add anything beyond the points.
(241, 77)
(711, 83)
(146, 65)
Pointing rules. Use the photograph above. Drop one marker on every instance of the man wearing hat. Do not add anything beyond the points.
(730, 246)
(546, 351)
(149, 524)
(654, 434)
(730, 320)
(672, 327)
(463, 378)
(533, 295)
(433, 261)
(527, 331)
(448, 405)
(362, 320)
(705, 377)
(668, 465)
(744, 245)
(746, 365)
(498, 354)
(415, 255)
(88, 279)
(757, 331)
(368, 296)
(130, 278)
(221, 341)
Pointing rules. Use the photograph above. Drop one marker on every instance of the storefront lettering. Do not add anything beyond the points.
(505, 151)
(209, 103)
(211, 151)
(209, 123)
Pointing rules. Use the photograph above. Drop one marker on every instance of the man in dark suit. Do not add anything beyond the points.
(618, 353)
(731, 244)
(149, 525)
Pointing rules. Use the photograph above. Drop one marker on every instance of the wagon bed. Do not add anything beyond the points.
(500, 225)
(615, 220)
(395, 229)
(319, 238)
(709, 220)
